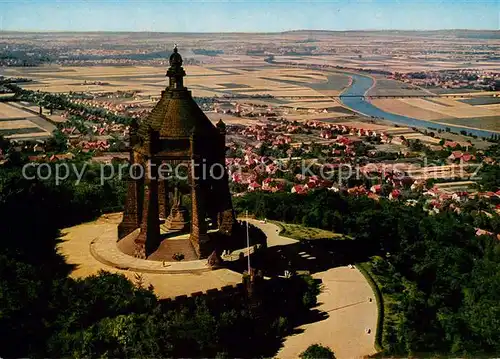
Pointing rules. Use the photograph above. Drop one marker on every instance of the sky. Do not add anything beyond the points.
(247, 16)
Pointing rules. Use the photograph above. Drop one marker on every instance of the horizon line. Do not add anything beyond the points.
(244, 32)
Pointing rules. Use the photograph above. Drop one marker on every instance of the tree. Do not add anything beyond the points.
(58, 142)
(489, 177)
(4, 144)
(317, 351)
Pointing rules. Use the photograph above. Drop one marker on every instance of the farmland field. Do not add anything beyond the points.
(459, 110)
(234, 86)
(7, 132)
(248, 76)
(398, 106)
(387, 63)
(438, 102)
(394, 88)
(335, 82)
(491, 123)
(480, 100)
(15, 122)
(445, 111)
(443, 91)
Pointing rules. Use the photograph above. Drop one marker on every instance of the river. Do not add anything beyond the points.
(361, 84)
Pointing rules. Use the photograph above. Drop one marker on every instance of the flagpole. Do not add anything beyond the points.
(248, 245)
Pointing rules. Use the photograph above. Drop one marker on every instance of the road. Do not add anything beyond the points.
(345, 299)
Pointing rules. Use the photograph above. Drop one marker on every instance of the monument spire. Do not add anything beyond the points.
(175, 72)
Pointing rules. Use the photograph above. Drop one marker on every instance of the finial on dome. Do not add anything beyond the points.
(176, 58)
(176, 72)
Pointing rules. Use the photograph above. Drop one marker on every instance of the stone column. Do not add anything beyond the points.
(226, 216)
(163, 205)
(149, 236)
(199, 237)
(131, 216)
(133, 204)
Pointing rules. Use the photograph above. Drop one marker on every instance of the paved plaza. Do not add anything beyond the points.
(76, 247)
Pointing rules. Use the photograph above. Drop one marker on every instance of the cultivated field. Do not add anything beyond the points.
(482, 100)
(392, 63)
(151, 80)
(452, 108)
(241, 67)
(16, 123)
(445, 110)
(386, 87)
(291, 87)
(10, 112)
(400, 107)
(367, 125)
(491, 123)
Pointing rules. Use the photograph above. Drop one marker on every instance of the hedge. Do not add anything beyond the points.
(380, 303)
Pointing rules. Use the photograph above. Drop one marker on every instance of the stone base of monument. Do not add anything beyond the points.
(119, 254)
(108, 250)
(171, 246)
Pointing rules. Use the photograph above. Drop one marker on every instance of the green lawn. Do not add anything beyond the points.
(297, 231)
(365, 269)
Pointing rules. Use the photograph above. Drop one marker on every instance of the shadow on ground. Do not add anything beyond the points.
(313, 256)
(310, 256)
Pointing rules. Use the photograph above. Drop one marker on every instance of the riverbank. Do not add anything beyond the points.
(354, 98)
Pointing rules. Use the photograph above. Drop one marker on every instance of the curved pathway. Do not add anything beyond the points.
(272, 232)
(345, 298)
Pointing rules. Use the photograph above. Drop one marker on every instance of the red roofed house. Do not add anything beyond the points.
(466, 157)
(455, 155)
(299, 189)
(482, 232)
(236, 177)
(253, 186)
(376, 188)
(450, 144)
(395, 194)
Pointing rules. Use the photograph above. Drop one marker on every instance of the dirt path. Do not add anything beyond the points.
(272, 232)
(345, 300)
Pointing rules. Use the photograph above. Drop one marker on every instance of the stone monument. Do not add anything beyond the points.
(177, 132)
(177, 220)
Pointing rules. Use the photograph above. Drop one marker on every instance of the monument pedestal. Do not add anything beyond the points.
(177, 220)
